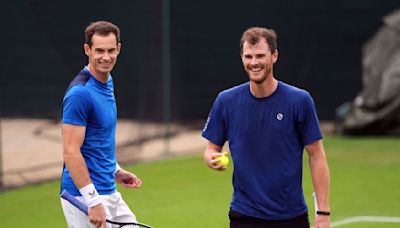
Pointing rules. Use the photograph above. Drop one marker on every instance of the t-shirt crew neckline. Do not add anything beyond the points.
(260, 99)
(97, 81)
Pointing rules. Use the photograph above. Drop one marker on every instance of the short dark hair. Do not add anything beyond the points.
(253, 35)
(102, 28)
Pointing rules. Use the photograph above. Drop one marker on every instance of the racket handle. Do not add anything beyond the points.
(78, 204)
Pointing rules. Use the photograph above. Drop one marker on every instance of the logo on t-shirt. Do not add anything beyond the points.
(279, 116)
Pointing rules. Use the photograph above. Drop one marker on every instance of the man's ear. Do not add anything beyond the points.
(87, 49)
(241, 56)
(275, 56)
(119, 47)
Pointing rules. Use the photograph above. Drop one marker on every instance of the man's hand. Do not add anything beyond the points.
(322, 221)
(97, 216)
(211, 159)
(127, 179)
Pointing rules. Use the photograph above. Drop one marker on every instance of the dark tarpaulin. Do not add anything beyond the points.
(376, 110)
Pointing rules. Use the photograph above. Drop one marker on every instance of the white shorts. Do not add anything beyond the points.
(115, 207)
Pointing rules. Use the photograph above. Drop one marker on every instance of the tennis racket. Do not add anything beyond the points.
(78, 204)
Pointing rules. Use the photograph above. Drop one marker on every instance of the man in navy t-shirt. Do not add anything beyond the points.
(268, 123)
(88, 125)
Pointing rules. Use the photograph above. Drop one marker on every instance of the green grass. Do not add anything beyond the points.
(182, 192)
(365, 178)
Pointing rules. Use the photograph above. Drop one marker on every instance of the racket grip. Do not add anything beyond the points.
(78, 204)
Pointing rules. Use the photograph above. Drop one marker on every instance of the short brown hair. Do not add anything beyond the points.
(102, 28)
(253, 36)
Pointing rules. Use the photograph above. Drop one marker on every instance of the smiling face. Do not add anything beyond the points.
(258, 60)
(102, 55)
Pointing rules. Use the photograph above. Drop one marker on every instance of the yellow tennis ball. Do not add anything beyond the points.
(224, 160)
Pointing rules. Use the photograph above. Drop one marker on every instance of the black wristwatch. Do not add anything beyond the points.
(326, 213)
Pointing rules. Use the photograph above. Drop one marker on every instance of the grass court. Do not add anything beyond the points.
(182, 192)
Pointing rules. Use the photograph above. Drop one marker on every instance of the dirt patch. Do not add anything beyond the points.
(32, 148)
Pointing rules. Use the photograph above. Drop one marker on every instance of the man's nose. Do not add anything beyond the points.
(106, 56)
(253, 61)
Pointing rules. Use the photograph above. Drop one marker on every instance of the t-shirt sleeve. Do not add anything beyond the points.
(214, 129)
(76, 108)
(308, 124)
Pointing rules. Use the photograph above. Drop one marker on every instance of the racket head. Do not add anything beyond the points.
(129, 224)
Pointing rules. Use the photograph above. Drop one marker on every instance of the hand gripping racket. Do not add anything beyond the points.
(78, 204)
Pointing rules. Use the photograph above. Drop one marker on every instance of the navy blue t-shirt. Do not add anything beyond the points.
(91, 103)
(266, 139)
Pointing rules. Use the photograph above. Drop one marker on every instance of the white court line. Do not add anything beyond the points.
(365, 219)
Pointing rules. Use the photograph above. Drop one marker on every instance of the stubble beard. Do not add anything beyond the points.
(105, 66)
(260, 80)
